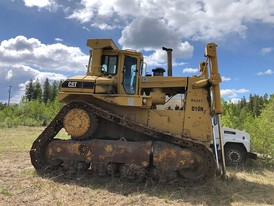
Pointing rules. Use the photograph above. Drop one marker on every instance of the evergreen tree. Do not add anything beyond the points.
(60, 85)
(265, 97)
(54, 91)
(243, 103)
(37, 94)
(235, 114)
(250, 103)
(256, 106)
(46, 91)
(29, 91)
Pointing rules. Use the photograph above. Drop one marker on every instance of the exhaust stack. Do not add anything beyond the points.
(169, 60)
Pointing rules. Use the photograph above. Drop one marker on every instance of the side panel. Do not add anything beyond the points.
(197, 113)
(136, 114)
(170, 121)
(79, 84)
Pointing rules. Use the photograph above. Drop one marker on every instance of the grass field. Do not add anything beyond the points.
(21, 185)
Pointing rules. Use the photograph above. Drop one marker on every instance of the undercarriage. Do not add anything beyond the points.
(139, 151)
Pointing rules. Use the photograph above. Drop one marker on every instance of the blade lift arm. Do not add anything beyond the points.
(214, 80)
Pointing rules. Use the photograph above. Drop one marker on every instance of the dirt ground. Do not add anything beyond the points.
(21, 185)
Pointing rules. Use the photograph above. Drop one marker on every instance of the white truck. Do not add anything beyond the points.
(236, 145)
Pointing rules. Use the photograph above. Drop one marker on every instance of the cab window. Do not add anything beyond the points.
(109, 64)
(129, 77)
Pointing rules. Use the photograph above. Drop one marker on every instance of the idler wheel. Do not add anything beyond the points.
(80, 124)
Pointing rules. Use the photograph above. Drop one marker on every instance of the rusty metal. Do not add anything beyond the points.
(168, 156)
(171, 161)
(100, 151)
(47, 152)
(77, 122)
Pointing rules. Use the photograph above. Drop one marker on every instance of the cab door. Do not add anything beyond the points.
(129, 73)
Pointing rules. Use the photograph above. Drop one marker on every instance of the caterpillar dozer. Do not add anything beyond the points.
(118, 126)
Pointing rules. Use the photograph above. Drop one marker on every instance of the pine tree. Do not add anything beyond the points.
(46, 91)
(37, 94)
(29, 91)
(54, 91)
(242, 103)
(265, 97)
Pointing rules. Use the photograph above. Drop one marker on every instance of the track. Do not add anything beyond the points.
(208, 166)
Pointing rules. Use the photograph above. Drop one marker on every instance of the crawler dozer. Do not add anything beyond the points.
(119, 125)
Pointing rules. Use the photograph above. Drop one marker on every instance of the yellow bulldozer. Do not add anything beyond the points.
(117, 123)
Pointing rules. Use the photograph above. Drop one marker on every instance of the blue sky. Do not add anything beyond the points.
(46, 39)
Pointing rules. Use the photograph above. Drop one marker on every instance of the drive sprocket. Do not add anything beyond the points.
(80, 123)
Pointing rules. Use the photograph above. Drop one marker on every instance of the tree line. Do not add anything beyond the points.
(255, 116)
(37, 107)
(49, 91)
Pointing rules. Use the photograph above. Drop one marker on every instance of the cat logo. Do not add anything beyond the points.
(72, 84)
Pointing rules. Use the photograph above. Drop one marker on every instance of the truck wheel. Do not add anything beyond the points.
(235, 155)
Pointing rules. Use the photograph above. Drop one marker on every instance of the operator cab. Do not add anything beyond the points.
(113, 67)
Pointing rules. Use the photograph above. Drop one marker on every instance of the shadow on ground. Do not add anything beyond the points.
(213, 192)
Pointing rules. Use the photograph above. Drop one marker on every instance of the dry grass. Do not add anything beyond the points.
(20, 184)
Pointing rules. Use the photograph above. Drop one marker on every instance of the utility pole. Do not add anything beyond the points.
(9, 95)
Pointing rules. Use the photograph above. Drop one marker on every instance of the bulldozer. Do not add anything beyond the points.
(118, 126)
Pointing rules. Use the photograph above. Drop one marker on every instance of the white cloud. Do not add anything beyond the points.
(58, 39)
(225, 78)
(178, 63)
(266, 50)
(40, 3)
(9, 75)
(18, 76)
(85, 28)
(190, 70)
(190, 19)
(266, 72)
(23, 59)
(146, 33)
(100, 14)
(103, 26)
(149, 25)
(234, 100)
(53, 57)
(159, 59)
(50, 5)
(83, 15)
(233, 93)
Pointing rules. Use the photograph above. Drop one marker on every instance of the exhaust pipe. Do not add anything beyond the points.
(169, 60)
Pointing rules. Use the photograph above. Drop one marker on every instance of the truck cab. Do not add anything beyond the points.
(236, 145)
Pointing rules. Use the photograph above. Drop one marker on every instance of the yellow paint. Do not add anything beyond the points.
(109, 148)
